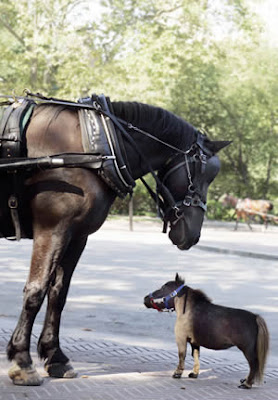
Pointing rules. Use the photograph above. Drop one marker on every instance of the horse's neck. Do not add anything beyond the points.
(158, 122)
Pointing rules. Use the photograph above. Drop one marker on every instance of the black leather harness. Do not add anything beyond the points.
(102, 138)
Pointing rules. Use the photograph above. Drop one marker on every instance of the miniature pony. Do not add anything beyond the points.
(202, 323)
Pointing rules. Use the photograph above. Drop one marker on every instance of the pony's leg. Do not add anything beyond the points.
(57, 363)
(196, 366)
(182, 354)
(46, 251)
(251, 357)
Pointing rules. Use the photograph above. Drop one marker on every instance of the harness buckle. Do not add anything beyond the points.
(187, 201)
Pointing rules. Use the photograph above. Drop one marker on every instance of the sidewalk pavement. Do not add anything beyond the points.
(217, 236)
(113, 370)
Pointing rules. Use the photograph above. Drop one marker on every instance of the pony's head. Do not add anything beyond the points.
(187, 177)
(163, 298)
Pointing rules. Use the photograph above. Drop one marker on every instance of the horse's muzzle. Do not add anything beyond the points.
(182, 241)
(188, 244)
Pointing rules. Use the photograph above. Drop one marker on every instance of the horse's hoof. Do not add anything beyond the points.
(25, 376)
(192, 375)
(59, 370)
(177, 375)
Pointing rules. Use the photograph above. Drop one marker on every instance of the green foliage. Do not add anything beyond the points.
(216, 211)
(205, 61)
(143, 204)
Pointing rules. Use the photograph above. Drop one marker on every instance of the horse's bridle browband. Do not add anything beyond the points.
(168, 203)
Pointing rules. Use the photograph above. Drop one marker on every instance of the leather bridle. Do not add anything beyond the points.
(193, 196)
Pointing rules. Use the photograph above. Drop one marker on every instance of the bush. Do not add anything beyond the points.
(216, 211)
(143, 204)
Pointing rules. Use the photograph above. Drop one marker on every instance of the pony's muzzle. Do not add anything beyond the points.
(147, 302)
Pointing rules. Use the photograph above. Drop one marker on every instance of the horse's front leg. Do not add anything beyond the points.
(46, 251)
(196, 366)
(57, 363)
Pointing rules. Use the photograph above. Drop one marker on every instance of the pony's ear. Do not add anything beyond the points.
(217, 145)
(178, 279)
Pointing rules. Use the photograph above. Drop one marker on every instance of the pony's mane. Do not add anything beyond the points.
(199, 296)
(157, 121)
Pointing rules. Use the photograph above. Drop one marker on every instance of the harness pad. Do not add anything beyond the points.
(13, 125)
(100, 136)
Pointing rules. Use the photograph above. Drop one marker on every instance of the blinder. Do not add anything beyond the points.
(197, 156)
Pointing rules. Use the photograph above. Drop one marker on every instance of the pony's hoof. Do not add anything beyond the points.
(177, 375)
(244, 386)
(25, 376)
(192, 375)
(59, 370)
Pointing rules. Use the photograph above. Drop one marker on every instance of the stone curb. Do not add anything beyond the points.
(237, 252)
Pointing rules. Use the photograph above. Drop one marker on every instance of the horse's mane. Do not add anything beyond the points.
(199, 296)
(157, 121)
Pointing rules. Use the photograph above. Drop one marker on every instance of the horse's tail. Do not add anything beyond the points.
(262, 347)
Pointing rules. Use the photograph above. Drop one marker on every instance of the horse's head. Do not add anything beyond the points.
(227, 200)
(187, 177)
(164, 297)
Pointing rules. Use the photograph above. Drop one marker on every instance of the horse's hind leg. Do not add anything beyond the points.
(57, 364)
(46, 252)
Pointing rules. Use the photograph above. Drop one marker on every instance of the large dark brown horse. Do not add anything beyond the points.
(67, 204)
(201, 323)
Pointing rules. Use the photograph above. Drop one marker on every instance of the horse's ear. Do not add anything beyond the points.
(217, 145)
